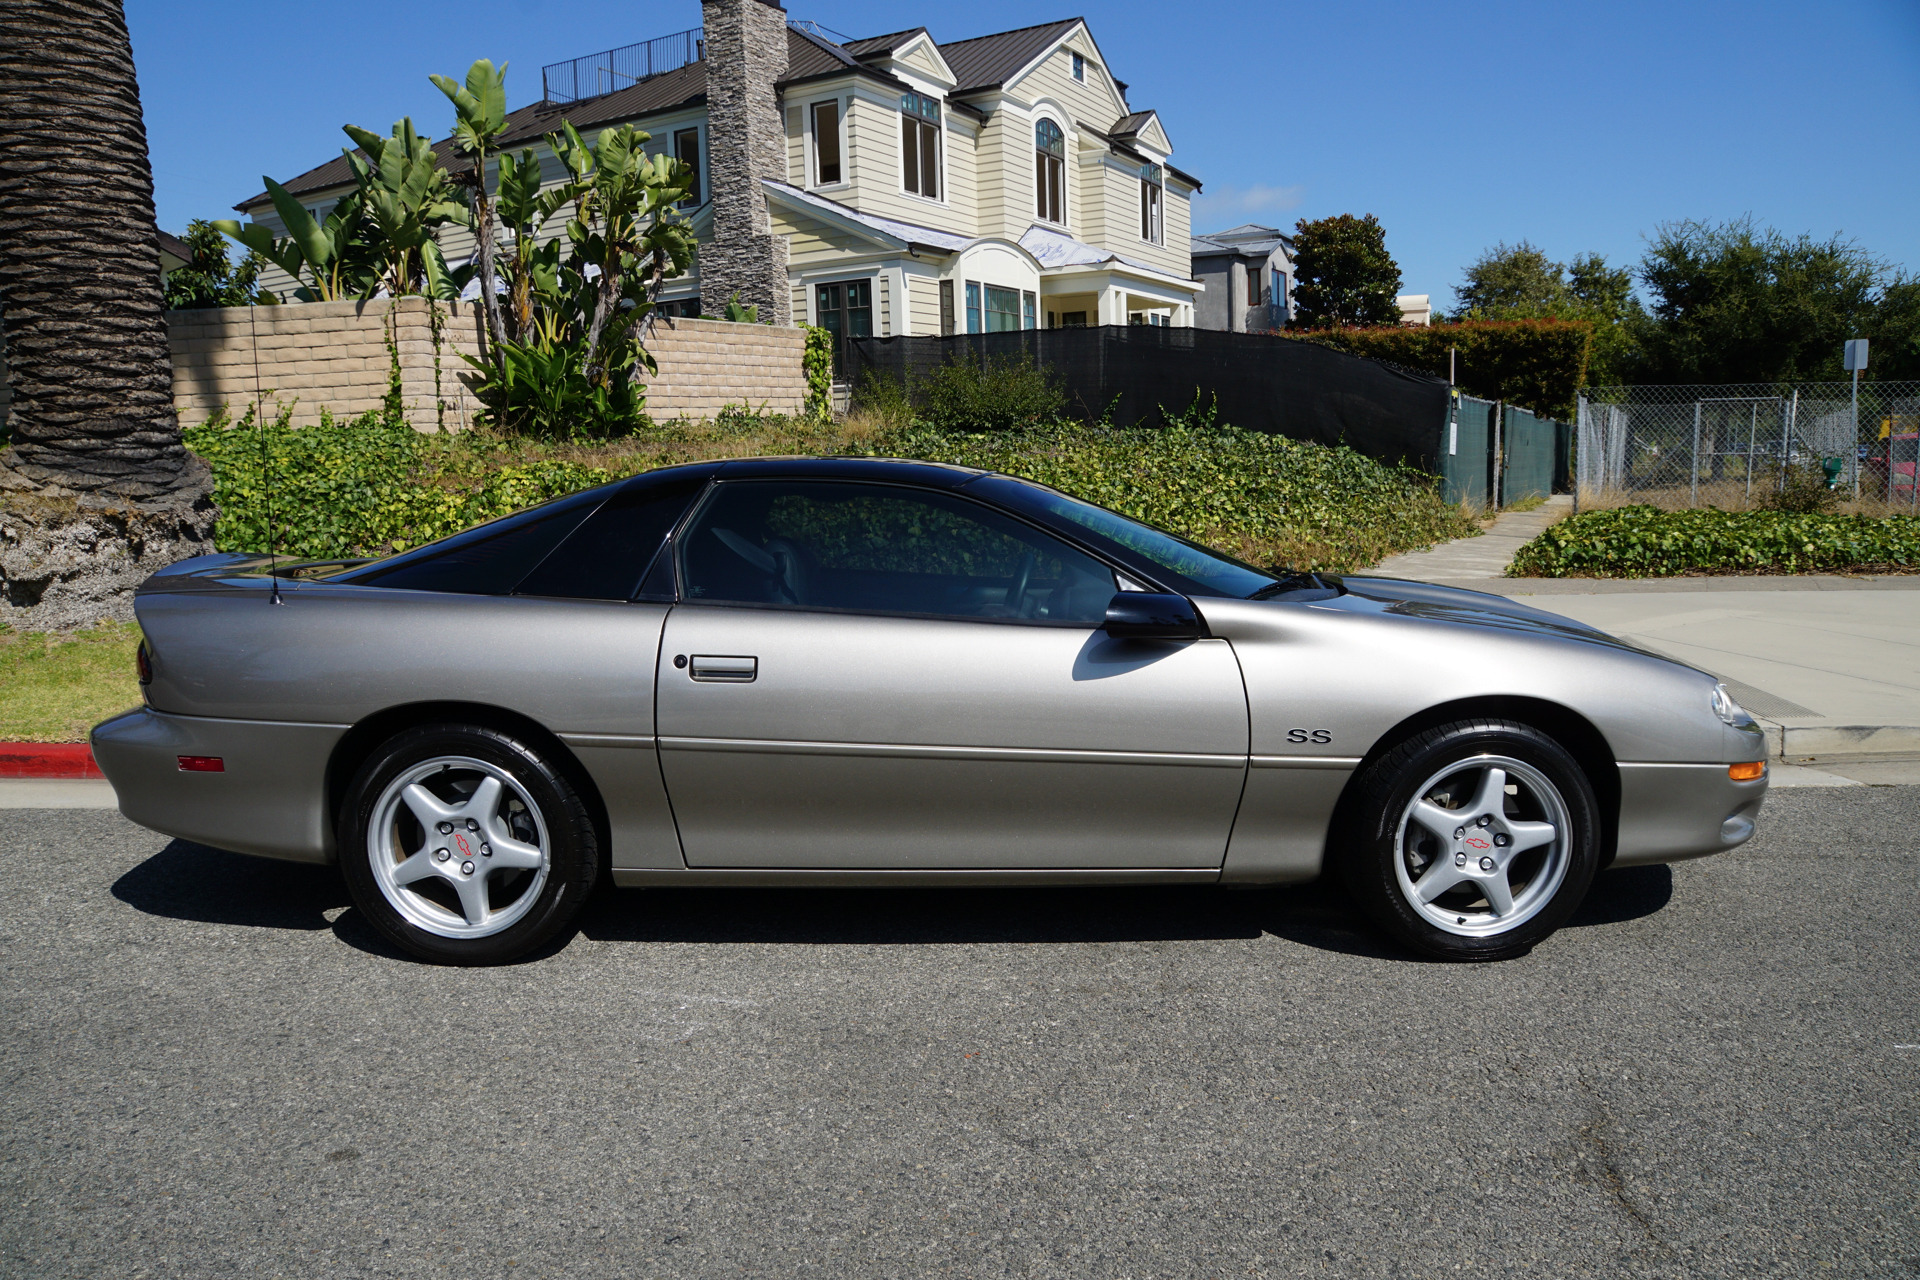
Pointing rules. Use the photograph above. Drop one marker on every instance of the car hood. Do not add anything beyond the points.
(1460, 607)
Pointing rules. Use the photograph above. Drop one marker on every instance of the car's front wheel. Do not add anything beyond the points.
(465, 845)
(1472, 840)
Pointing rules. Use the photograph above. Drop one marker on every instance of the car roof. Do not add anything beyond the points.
(933, 475)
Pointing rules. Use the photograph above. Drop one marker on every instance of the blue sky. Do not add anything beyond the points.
(1579, 126)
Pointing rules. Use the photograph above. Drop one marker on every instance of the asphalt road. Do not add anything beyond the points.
(212, 1068)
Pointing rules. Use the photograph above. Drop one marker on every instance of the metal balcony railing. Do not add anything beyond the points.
(598, 74)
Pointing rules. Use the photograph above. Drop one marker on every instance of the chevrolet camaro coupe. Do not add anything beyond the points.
(794, 671)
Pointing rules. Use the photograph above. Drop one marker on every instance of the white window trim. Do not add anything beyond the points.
(900, 156)
(1067, 135)
(699, 127)
(809, 155)
(1160, 209)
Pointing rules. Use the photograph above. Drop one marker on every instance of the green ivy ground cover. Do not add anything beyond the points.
(1645, 542)
(361, 488)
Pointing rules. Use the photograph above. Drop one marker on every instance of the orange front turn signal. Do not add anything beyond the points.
(1752, 772)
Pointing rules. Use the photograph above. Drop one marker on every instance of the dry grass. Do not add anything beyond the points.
(1728, 498)
(56, 686)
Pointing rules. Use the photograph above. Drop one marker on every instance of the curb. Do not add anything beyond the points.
(48, 760)
(1840, 741)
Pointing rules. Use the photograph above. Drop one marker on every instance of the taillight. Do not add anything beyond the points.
(202, 764)
(143, 663)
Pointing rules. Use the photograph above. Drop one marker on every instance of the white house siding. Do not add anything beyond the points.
(1094, 102)
(923, 297)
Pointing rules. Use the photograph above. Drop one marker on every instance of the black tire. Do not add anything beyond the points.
(1379, 805)
(570, 843)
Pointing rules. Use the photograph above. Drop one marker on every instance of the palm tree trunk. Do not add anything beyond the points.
(80, 296)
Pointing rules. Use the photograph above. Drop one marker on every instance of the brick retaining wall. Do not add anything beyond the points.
(334, 355)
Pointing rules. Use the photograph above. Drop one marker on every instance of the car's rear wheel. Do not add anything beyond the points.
(465, 845)
(1472, 840)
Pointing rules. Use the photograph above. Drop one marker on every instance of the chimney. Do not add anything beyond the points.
(746, 55)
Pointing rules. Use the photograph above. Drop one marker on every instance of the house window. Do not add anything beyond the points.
(685, 308)
(1029, 311)
(920, 144)
(1003, 309)
(844, 309)
(826, 143)
(1279, 295)
(1079, 67)
(946, 307)
(1050, 171)
(973, 307)
(686, 149)
(1152, 215)
(1253, 286)
(1073, 319)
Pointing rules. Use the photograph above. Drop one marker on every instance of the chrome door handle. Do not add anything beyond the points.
(724, 669)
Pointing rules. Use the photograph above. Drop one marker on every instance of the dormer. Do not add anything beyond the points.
(1143, 132)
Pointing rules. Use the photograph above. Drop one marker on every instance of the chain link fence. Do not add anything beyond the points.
(1730, 446)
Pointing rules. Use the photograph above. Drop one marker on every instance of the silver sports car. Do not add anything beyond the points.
(837, 671)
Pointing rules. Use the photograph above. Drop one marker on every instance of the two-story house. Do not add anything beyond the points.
(888, 185)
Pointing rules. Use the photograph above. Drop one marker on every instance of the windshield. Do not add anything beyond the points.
(1188, 566)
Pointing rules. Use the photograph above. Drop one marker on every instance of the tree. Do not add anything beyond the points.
(80, 293)
(211, 279)
(1895, 331)
(1735, 303)
(480, 117)
(1514, 282)
(1519, 282)
(1343, 273)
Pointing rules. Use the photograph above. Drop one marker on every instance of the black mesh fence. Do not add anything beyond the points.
(1136, 374)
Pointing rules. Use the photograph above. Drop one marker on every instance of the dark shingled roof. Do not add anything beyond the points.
(980, 63)
(987, 61)
(874, 46)
(530, 123)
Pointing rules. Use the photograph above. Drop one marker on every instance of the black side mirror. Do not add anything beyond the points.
(1149, 615)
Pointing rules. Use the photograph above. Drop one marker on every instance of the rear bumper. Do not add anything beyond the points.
(1673, 811)
(271, 798)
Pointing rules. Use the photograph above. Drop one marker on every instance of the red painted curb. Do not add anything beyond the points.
(47, 760)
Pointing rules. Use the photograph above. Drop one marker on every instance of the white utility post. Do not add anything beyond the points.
(1856, 360)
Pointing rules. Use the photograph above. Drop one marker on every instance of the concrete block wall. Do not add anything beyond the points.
(334, 355)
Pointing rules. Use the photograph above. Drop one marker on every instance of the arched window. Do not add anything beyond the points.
(1050, 171)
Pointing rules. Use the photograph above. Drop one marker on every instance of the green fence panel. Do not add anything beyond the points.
(1530, 443)
(1466, 458)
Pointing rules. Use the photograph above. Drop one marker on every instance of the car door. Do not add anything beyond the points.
(870, 676)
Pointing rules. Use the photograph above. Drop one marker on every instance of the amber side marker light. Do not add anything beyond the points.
(210, 764)
(1747, 772)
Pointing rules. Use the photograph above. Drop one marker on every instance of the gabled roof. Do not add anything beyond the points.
(880, 46)
(808, 56)
(1129, 126)
(986, 62)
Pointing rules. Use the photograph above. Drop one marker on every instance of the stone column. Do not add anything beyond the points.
(746, 56)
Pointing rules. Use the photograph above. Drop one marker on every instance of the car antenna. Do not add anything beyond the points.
(266, 488)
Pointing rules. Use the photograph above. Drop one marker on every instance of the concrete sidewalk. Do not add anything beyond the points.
(1829, 662)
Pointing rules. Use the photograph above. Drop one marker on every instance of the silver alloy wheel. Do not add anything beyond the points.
(458, 847)
(1472, 830)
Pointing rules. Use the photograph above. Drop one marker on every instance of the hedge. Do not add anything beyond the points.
(1645, 542)
(1536, 364)
(360, 488)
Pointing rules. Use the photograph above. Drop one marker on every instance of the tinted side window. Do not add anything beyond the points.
(884, 549)
(606, 556)
(488, 560)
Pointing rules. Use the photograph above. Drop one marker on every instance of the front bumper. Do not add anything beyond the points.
(1669, 812)
(271, 798)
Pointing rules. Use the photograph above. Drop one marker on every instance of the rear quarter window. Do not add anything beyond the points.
(490, 560)
(606, 557)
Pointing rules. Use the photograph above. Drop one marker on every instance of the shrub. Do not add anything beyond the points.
(1645, 542)
(1537, 364)
(361, 487)
(993, 395)
(1804, 491)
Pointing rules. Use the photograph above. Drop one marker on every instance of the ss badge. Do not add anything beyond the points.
(1310, 735)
